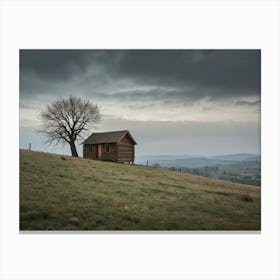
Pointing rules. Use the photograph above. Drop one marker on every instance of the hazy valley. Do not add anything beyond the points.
(242, 168)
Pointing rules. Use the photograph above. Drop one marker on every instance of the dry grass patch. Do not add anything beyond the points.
(64, 193)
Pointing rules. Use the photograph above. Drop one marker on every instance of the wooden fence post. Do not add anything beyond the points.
(29, 149)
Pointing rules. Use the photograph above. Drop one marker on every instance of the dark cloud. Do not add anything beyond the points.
(54, 65)
(234, 70)
(248, 103)
(122, 74)
(143, 94)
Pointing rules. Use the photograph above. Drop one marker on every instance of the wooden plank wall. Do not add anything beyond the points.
(112, 154)
(90, 151)
(125, 150)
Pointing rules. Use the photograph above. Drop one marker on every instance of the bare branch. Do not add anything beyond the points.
(66, 119)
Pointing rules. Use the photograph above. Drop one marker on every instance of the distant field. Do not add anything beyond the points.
(239, 168)
(65, 193)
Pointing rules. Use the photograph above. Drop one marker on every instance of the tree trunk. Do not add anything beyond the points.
(73, 149)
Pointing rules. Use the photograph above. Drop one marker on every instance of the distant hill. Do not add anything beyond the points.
(198, 160)
(241, 168)
(65, 193)
(238, 157)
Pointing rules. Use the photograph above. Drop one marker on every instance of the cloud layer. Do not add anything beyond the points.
(191, 74)
(156, 86)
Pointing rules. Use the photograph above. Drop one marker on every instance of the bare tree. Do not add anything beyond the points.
(66, 119)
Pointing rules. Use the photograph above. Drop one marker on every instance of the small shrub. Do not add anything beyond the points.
(63, 158)
(247, 198)
(74, 221)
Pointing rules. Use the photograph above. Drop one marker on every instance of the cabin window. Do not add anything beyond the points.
(90, 148)
(107, 148)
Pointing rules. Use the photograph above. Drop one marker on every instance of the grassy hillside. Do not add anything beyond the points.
(65, 193)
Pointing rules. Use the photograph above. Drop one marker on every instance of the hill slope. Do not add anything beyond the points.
(65, 193)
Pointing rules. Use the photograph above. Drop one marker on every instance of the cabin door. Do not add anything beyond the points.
(99, 151)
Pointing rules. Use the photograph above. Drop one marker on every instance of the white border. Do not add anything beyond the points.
(155, 24)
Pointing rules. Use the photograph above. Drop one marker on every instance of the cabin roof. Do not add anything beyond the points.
(108, 137)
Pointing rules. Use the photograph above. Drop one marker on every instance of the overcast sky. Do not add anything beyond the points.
(204, 102)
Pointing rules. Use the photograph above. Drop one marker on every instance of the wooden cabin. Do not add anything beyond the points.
(115, 146)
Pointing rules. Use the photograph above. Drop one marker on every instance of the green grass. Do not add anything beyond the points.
(65, 193)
